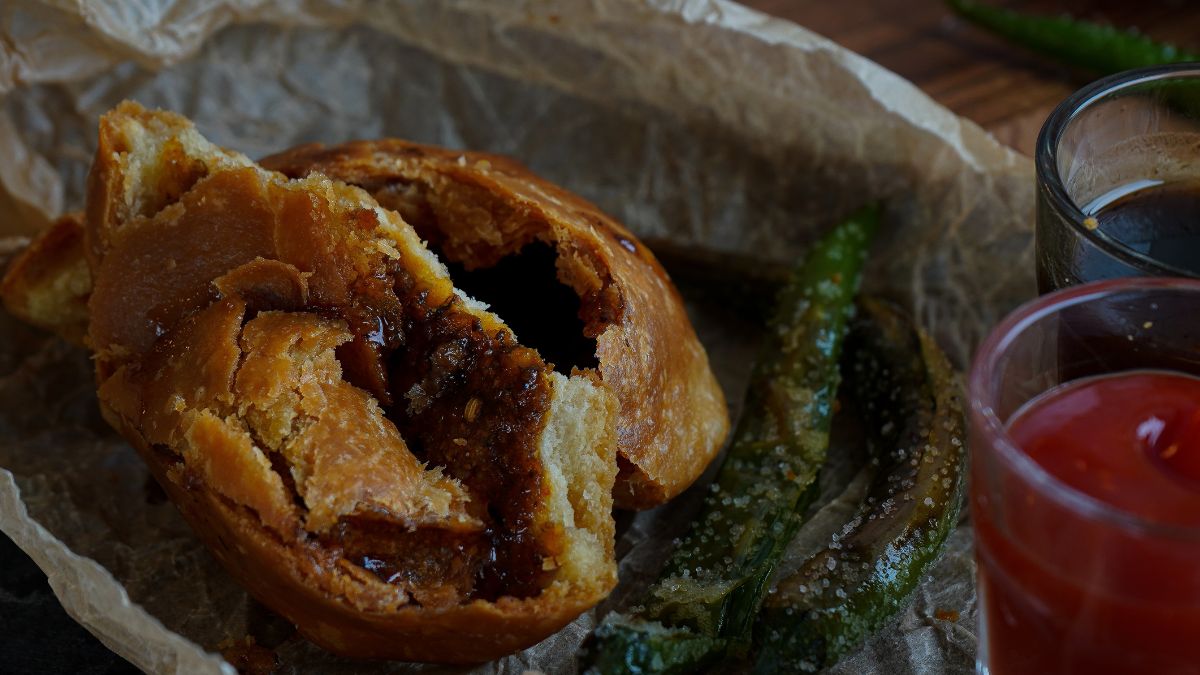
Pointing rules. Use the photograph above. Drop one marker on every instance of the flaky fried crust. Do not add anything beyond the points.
(672, 418)
(479, 208)
(342, 610)
(366, 450)
(48, 284)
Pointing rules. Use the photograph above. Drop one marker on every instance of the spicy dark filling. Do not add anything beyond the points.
(518, 279)
(439, 567)
(472, 403)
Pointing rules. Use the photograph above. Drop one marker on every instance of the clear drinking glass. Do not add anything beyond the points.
(1069, 583)
(1130, 131)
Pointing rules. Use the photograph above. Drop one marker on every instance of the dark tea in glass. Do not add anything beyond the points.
(1159, 220)
(1119, 180)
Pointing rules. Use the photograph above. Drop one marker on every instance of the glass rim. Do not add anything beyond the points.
(985, 421)
(1046, 158)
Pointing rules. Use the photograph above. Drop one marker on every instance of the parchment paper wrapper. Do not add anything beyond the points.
(700, 124)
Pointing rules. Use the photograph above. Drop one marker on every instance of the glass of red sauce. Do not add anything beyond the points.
(1119, 181)
(1085, 482)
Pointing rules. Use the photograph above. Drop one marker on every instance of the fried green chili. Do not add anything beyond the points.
(704, 604)
(1095, 47)
(909, 400)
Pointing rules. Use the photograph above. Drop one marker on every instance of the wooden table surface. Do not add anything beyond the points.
(1004, 89)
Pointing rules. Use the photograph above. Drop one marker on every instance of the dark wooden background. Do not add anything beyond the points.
(1003, 89)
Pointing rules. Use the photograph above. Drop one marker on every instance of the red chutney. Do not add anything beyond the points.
(1068, 592)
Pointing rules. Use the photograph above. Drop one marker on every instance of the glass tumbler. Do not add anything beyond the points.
(1118, 135)
(1069, 583)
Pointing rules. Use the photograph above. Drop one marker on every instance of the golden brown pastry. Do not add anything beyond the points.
(487, 213)
(370, 452)
(483, 211)
(48, 283)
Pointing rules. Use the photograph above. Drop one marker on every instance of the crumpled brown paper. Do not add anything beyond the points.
(700, 124)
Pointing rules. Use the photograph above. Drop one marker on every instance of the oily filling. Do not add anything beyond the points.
(472, 403)
(519, 283)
